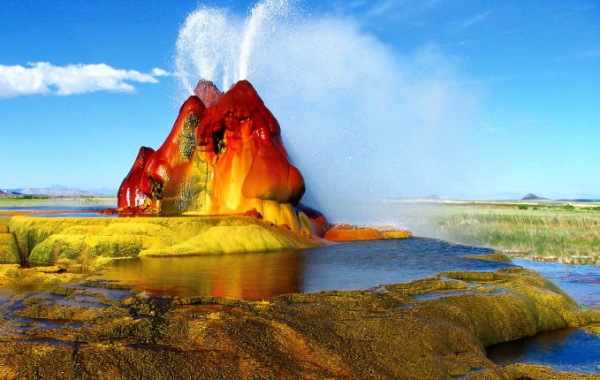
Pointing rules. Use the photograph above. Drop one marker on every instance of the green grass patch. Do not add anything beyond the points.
(561, 232)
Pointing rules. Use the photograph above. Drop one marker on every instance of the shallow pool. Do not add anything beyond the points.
(348, 266)
(565, 350)
(364, 265)
(582, 282)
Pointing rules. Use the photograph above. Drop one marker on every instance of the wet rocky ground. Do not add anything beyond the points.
(60, 325)
(433, 320)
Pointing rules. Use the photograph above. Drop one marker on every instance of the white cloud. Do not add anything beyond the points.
(45, 78)
(160, 72)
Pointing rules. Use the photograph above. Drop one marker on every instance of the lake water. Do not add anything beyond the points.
(565, 350)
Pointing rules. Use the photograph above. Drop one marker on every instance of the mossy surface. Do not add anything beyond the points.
(89, 241)
(434, 328)
(540, 372)
(496, 256)
(15, 278)
(9, 253)
(4, 225)
(85, 327)
(528, 300)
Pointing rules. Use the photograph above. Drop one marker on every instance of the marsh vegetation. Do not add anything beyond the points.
(569, 233)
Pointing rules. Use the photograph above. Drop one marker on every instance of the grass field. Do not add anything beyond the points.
(569, 233)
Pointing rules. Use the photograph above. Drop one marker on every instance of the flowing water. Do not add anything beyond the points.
(356, 115)
(216, 46)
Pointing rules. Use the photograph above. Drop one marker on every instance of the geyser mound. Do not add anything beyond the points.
(224, 156)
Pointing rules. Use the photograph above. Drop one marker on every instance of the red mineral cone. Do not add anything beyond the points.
(251, 161)
(225, 155)
(179, 146)
(135, 194)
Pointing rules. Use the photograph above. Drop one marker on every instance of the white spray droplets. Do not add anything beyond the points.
(359, 118)
(216, 46)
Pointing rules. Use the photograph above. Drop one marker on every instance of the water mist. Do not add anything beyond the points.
(361, 122)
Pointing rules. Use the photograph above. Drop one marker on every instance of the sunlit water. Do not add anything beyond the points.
(349, 266)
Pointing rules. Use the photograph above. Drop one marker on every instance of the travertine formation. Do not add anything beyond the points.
(87, 243)
(96, 329)
(223, 156)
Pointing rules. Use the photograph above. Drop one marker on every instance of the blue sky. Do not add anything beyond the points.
(376, 99)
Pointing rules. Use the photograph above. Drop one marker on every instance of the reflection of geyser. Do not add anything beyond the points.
(359, 121)
(236, 276)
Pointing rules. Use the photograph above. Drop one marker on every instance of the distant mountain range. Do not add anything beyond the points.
(533, 197)
(578, 200)
(58, 191)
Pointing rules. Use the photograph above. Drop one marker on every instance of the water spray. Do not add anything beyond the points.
(212, 45)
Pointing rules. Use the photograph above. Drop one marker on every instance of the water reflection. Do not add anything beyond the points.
(349, 266)
(238, 276)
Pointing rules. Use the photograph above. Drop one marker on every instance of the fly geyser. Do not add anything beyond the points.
(223, 156)
(222, 181)
(222, 167)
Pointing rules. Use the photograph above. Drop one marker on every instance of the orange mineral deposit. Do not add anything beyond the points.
(224, 155)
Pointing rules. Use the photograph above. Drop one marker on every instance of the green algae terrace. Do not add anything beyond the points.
(91, 242)
(97, 329)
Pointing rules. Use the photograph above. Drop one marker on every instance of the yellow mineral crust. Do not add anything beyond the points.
(90, 242)
(433, 328)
